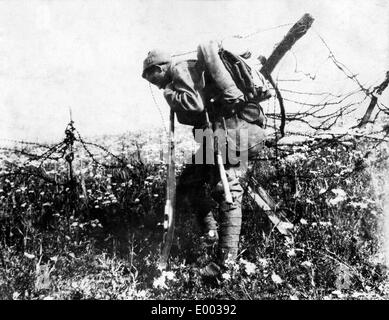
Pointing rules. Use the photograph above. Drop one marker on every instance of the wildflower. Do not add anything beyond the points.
(231, 263)
(142, 294)
(263, 262)
(306, 264)
(169, 275)
(362, 205)
(276, 278)
(291, 253)
(338, 293)
(322, 190)
(249, 266)
(303, 221)
(226, 276)
(339, 192)
(160, 283)
(29, 255)
(357, 294)
(295, 157)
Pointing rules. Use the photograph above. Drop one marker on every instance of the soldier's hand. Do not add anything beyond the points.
(169, 87)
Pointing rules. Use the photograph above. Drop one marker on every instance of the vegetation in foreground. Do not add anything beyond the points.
(100, 238)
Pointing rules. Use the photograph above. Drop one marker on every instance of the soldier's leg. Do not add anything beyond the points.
(230, 219)
(193, 196)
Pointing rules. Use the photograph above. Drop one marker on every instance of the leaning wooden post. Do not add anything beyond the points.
(263, 200)
(295, 33)
(169, 215)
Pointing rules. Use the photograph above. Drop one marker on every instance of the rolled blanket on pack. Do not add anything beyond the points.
(209, 59)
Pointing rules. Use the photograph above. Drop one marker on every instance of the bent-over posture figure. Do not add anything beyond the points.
(202, 92)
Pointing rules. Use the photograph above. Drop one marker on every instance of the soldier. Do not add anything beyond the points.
(201, 92)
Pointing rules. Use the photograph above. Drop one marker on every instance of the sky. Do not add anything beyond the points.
(87, 55)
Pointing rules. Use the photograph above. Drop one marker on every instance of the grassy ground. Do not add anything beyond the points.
(101, 238)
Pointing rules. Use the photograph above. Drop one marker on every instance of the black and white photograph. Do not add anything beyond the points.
(207, 150)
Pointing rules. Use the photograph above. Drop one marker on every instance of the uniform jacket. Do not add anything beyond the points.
(189, 93)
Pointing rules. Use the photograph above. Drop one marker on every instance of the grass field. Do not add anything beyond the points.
(100, 238)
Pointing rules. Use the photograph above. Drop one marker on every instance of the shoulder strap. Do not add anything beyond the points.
(240, 73)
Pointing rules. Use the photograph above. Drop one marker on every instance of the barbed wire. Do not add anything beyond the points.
(237, 36)
(92, 156)
(65, 150)
(314, 110)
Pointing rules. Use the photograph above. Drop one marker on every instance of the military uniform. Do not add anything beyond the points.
(190, 93)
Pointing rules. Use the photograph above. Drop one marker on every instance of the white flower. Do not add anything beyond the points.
(263, 262)
(160, 283)
(29, 255)
(296, 157)
(357, 294)
(142, 294)
(340, 196)
(169, 275)
(276, 278)
(303, 221)
(249, 266)
(15, 295)
(362, 205)
(226, 276)
(231, 262)
(338, 293)
(306, 264)
(322, 190)
(291, 253)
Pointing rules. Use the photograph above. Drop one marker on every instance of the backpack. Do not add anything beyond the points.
(241, 73)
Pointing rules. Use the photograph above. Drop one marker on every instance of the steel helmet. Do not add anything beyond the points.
(155, 57)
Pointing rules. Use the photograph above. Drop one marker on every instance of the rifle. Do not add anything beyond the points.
(219, 158)
(169, 214)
